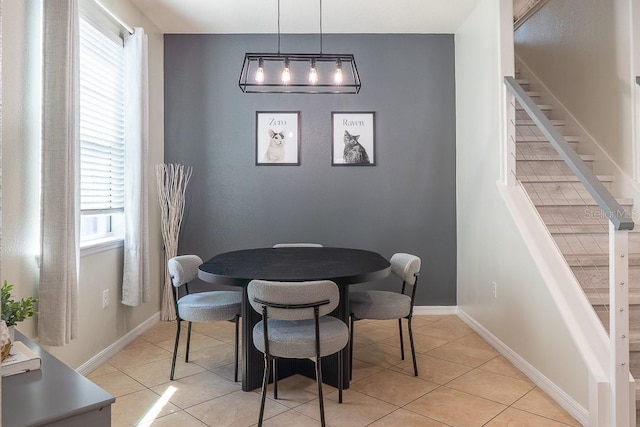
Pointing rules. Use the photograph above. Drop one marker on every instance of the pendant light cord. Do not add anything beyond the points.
(278, 27)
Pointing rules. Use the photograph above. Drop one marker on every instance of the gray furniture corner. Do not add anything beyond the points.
(54, 395)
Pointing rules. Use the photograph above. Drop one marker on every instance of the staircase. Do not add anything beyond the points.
(578, 226)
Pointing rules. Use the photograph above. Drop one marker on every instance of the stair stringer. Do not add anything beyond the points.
(587, 332)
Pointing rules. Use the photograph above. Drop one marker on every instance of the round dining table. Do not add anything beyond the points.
(344, 266)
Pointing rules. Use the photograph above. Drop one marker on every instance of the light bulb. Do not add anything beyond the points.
(337, 77)
(313, 73)
(260, 71)
(286, 73)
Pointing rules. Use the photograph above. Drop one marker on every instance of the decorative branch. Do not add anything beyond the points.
(172, 180)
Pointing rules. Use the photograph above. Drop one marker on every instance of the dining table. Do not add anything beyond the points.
(344, 266)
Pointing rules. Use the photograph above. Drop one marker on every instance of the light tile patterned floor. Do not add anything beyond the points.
(462, 382)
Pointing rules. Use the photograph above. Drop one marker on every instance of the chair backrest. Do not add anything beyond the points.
(405, 266)
(286, 294)
(297, 245)
(183, 269)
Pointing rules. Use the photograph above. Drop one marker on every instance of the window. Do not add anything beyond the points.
(101, 135)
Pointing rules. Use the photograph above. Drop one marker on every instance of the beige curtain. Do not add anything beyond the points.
(136, 288)
(59, 208)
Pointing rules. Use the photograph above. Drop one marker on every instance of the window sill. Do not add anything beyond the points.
(101, 245)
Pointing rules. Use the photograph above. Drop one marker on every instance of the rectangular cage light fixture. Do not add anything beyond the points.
(306, 73)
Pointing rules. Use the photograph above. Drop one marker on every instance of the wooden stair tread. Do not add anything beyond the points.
(529, 122)
(534, 138)
(560, 178)
(550, 157)
(592, 259)
(625, 202)
(585, 229)
(600, 296)
(543, 107)
(634, 340)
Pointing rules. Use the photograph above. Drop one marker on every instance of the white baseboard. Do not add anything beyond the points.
(106, 354)
(433, 310)
(576, 410)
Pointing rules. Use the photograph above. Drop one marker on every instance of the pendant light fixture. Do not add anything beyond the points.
(312, 73)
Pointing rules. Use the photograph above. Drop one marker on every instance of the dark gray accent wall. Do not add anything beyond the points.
(406, 203)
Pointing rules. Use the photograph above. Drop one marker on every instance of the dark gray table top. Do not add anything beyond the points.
(51, 393)
(342, 265)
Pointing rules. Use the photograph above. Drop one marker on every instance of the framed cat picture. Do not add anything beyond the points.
(277, 138)
(354, 138)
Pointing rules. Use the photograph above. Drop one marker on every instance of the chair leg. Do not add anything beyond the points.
(340, 373)
(320, 397)
(175, 350)
(275, 378)
(186, 356)
(265, 382)
(235, 373)
(351, 349)
(401, 339)
(413, 350)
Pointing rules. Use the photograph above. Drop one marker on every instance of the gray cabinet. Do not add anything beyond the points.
(55, 395)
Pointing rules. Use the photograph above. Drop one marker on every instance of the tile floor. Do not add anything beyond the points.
(463, 382)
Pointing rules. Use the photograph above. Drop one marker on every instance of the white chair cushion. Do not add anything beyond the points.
(183, 269)
(296, 339)
(379, 304)
(210, 306)
(405, 266)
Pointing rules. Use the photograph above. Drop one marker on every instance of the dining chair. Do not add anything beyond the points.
(385, 305)
(200, 306)
(297, 245)
(295, 325)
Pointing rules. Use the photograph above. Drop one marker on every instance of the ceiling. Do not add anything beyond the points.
(302, 16)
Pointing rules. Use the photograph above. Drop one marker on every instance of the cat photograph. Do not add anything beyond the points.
(275, 151)
(354, 137)
(353, 151)
(277, 138)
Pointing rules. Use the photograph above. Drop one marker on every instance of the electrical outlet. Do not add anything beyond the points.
(494, 287)
(105, 298)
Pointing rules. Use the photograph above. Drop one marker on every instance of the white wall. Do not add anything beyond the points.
(580, 49)
(99, 327)
(490, 247)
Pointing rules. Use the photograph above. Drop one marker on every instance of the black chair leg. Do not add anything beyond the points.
(401, 339)
(175, 350)
(235, 373)
(413, 350)
(265, 382)
(351, 349)
(340, 373)
(320, 397)
(186, 356)
(275, 378)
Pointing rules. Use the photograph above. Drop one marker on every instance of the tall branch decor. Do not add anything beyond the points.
(172, 180)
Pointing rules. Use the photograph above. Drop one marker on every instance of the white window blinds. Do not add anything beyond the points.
(101, 121)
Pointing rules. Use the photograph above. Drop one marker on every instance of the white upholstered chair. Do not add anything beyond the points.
(297, 245)
(384, 305)
(295, 325)
(201, 306)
